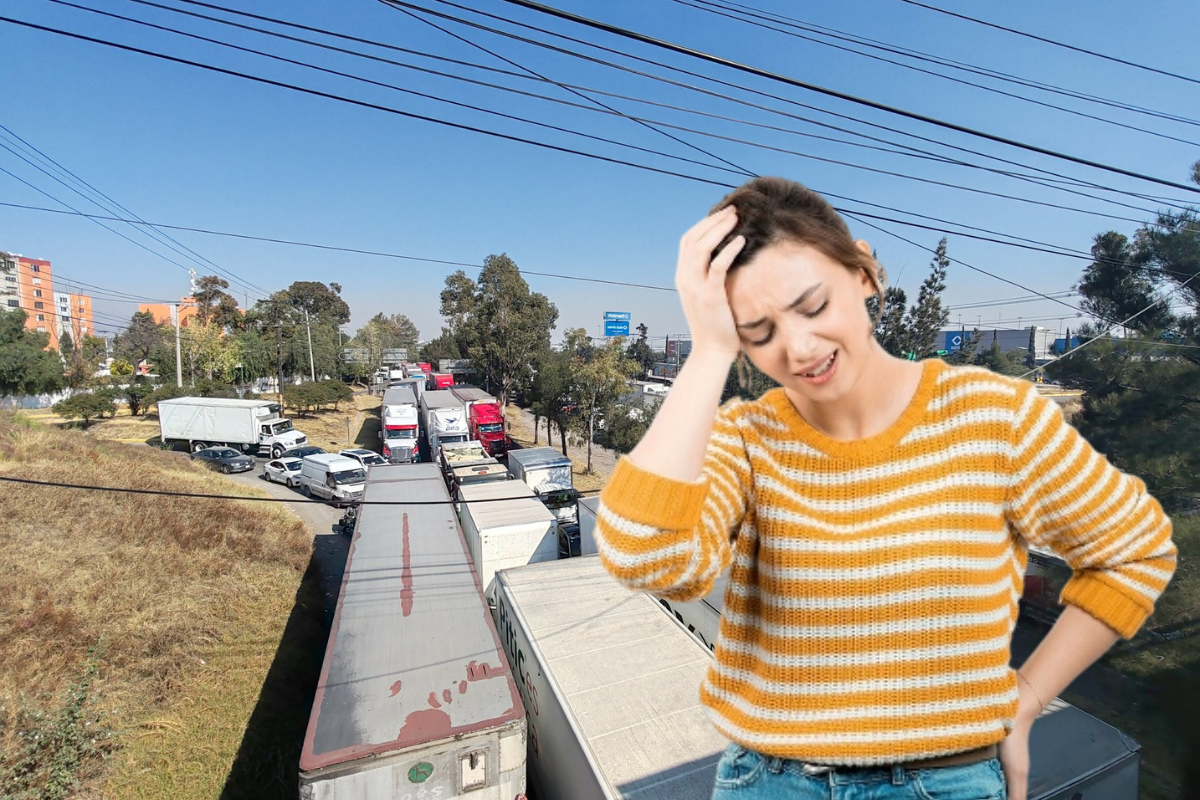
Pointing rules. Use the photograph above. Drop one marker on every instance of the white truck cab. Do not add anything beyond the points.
(336, 478)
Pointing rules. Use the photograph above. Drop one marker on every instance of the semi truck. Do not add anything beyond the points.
(610, 685)
(475, 473)
(415, 698)
(461, 454)
(440, 380)
(444, 419)
(252, 426)
(399, 425)
(505, 525)
(485, 421)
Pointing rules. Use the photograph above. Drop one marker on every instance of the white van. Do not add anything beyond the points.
(336, 478)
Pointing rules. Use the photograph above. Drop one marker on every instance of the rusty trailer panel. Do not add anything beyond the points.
(413, 665)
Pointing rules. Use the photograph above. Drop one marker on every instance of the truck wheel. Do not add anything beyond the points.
(276, 451)
(198, 446)
(307, 492)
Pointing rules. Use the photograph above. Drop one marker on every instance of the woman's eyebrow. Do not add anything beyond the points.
(807, 293)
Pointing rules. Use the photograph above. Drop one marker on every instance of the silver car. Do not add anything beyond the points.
(368, 458)
(283, 470)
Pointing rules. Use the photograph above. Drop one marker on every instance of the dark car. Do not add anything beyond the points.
(301, 452)
(225, 459)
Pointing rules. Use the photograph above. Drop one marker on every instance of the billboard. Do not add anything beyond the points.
(395, 355)
(616, 323)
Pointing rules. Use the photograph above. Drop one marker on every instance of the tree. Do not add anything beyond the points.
(639, 351)
(385, 333)
(93, 349)
(66, 345)
(142, 338)
(601, 376)
(928, 316)
(136, 394)
(86, 406)
(550, 393)
(444, 346)
(26, 366)
(625, 425)
(1117, 284)
(501, 322)
(120, 368)
(890, 328)
(213, 304)
(323, 303)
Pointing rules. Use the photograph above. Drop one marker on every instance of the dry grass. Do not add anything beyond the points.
(328, 428)
(159, 583)
(521, 433)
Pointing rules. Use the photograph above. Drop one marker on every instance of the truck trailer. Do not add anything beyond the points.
(610, 684)
(252, 426)
(505, 526)
(485, 422)
(415, 698)
(444, 419)
(548, 473)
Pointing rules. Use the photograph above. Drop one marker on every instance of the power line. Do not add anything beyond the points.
(205, 496)
(812, 87)
(923, 153)
(113, 204)
(943, 61)
(1054, 42)
(733, 15)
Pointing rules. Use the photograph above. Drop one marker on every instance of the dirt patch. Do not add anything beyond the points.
(520, 430)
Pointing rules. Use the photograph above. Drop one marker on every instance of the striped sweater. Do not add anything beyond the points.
(873, 584)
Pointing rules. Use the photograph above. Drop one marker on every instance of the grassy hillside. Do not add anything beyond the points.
(131, 619)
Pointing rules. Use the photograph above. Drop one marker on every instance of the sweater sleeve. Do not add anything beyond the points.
(673, 538)
(1066, 497)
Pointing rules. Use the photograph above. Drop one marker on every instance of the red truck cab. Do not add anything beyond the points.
(440, 380)
(487, 427)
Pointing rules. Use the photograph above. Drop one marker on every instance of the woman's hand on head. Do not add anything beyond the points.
(700, 279)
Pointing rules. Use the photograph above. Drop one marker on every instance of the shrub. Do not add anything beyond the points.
(86, 406)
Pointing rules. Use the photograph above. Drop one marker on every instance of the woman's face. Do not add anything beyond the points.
(802, 319)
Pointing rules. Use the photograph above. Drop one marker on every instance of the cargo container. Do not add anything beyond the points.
(461, 454)
(503, 533)
(610, 684)
(252, 426)
(548, 473)
(587, 525)
(475, 473)
(415, 698)
(439, 380)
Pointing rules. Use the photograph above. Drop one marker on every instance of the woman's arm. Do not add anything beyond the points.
(1075, 642)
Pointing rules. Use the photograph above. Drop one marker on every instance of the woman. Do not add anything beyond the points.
(875, 516)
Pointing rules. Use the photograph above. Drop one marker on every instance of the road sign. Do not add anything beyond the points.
(617, 315)
(614, 327)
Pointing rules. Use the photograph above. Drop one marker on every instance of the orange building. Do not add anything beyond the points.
(162, 311)
(28, 284)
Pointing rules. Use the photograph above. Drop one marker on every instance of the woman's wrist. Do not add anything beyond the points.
(1029, 700)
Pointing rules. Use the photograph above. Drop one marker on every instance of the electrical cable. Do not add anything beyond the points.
(605, 106)
(54, 177)
(701, 6)
(204, 496)
(943, 61)
(1054, 42)
(924, 153)
(812, 87)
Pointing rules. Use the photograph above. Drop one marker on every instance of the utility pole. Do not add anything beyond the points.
(178, 353)
(279, 361)
(312, 370)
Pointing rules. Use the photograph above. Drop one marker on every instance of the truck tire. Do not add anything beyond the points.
(276, 451)
(198, 446)
(307, 492)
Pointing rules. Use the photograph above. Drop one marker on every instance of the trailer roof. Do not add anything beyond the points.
(627, 673)
(442, 398)
(473, 393)
(413, 655)
(224, 402)
(523, 506)
(533, 457)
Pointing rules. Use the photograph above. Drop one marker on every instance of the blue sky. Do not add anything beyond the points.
(180, 145)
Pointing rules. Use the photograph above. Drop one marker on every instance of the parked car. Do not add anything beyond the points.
(365, 457)
(306, 450)
(226, 459)
(283, 470)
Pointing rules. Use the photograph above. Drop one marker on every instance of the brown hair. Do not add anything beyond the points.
(772, 210)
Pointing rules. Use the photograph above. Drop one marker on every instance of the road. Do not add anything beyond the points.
(329, 545)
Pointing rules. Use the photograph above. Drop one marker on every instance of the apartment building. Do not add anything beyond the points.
(28, 284)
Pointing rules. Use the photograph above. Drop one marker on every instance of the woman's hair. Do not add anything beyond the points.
(772, 210)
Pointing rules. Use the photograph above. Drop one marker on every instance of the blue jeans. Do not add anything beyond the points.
(744, 774)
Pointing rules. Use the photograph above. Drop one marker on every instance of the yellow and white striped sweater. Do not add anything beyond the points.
(873, 584)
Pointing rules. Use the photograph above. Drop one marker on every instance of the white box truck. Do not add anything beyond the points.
(252, 426)
(610, 684)
(415, 698)
(444, 419)
(505, 526)
(548, 473)
(1073, 754)
(587, 524)
(399, 426)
